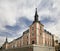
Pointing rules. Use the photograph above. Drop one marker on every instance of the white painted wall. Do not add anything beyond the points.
(37, 32)
(43, 38)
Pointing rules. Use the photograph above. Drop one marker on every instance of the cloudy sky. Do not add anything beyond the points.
(17, 15)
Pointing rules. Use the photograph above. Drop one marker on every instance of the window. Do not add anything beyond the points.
(27, 37)
(15, 45)
(40, 34)
(27, 42)
(45, 42)
(32, 28)
(32, 34)
(40, 28)
(33, 42)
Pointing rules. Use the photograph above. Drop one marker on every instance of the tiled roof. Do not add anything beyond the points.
(47, 32)
(27, 31)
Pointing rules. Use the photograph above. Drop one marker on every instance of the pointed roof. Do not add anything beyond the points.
(6, 41)
(36, 18)
(36, 15)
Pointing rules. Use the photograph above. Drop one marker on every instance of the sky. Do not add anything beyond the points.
(17, 15)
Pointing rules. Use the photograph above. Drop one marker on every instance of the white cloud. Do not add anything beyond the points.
(8, 13)
(11, 9)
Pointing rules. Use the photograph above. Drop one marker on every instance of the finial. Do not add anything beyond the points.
(36, 12)
(36, 9)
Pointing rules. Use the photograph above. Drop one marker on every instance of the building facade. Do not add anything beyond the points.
(57, 45)
(36, 34)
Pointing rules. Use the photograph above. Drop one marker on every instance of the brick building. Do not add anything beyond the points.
(36, 34)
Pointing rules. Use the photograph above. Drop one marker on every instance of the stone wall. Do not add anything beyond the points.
(20, 49)
(38, 48)
(32, 48)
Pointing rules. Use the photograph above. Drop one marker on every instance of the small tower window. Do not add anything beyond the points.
(33, 42)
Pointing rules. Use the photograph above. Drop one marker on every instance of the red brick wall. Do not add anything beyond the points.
(33, 33)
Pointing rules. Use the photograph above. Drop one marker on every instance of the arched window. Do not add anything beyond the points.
(33, 42)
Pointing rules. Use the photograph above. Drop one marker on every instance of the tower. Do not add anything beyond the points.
(5, 45)
(36, 16)
(6, 40)
(36, 30)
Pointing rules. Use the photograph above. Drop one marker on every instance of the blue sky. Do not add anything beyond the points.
(17, 15)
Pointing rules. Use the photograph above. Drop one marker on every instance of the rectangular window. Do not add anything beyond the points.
(32, 28)
(27, 37)
(27, 42)
(40, 27)
(32, 34)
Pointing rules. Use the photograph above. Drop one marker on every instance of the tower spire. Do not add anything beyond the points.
(36, 16)
(6, 40)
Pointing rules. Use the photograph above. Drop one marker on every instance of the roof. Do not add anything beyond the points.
(20, 36)
(47, 32)
(16, 39)
(27, 31)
